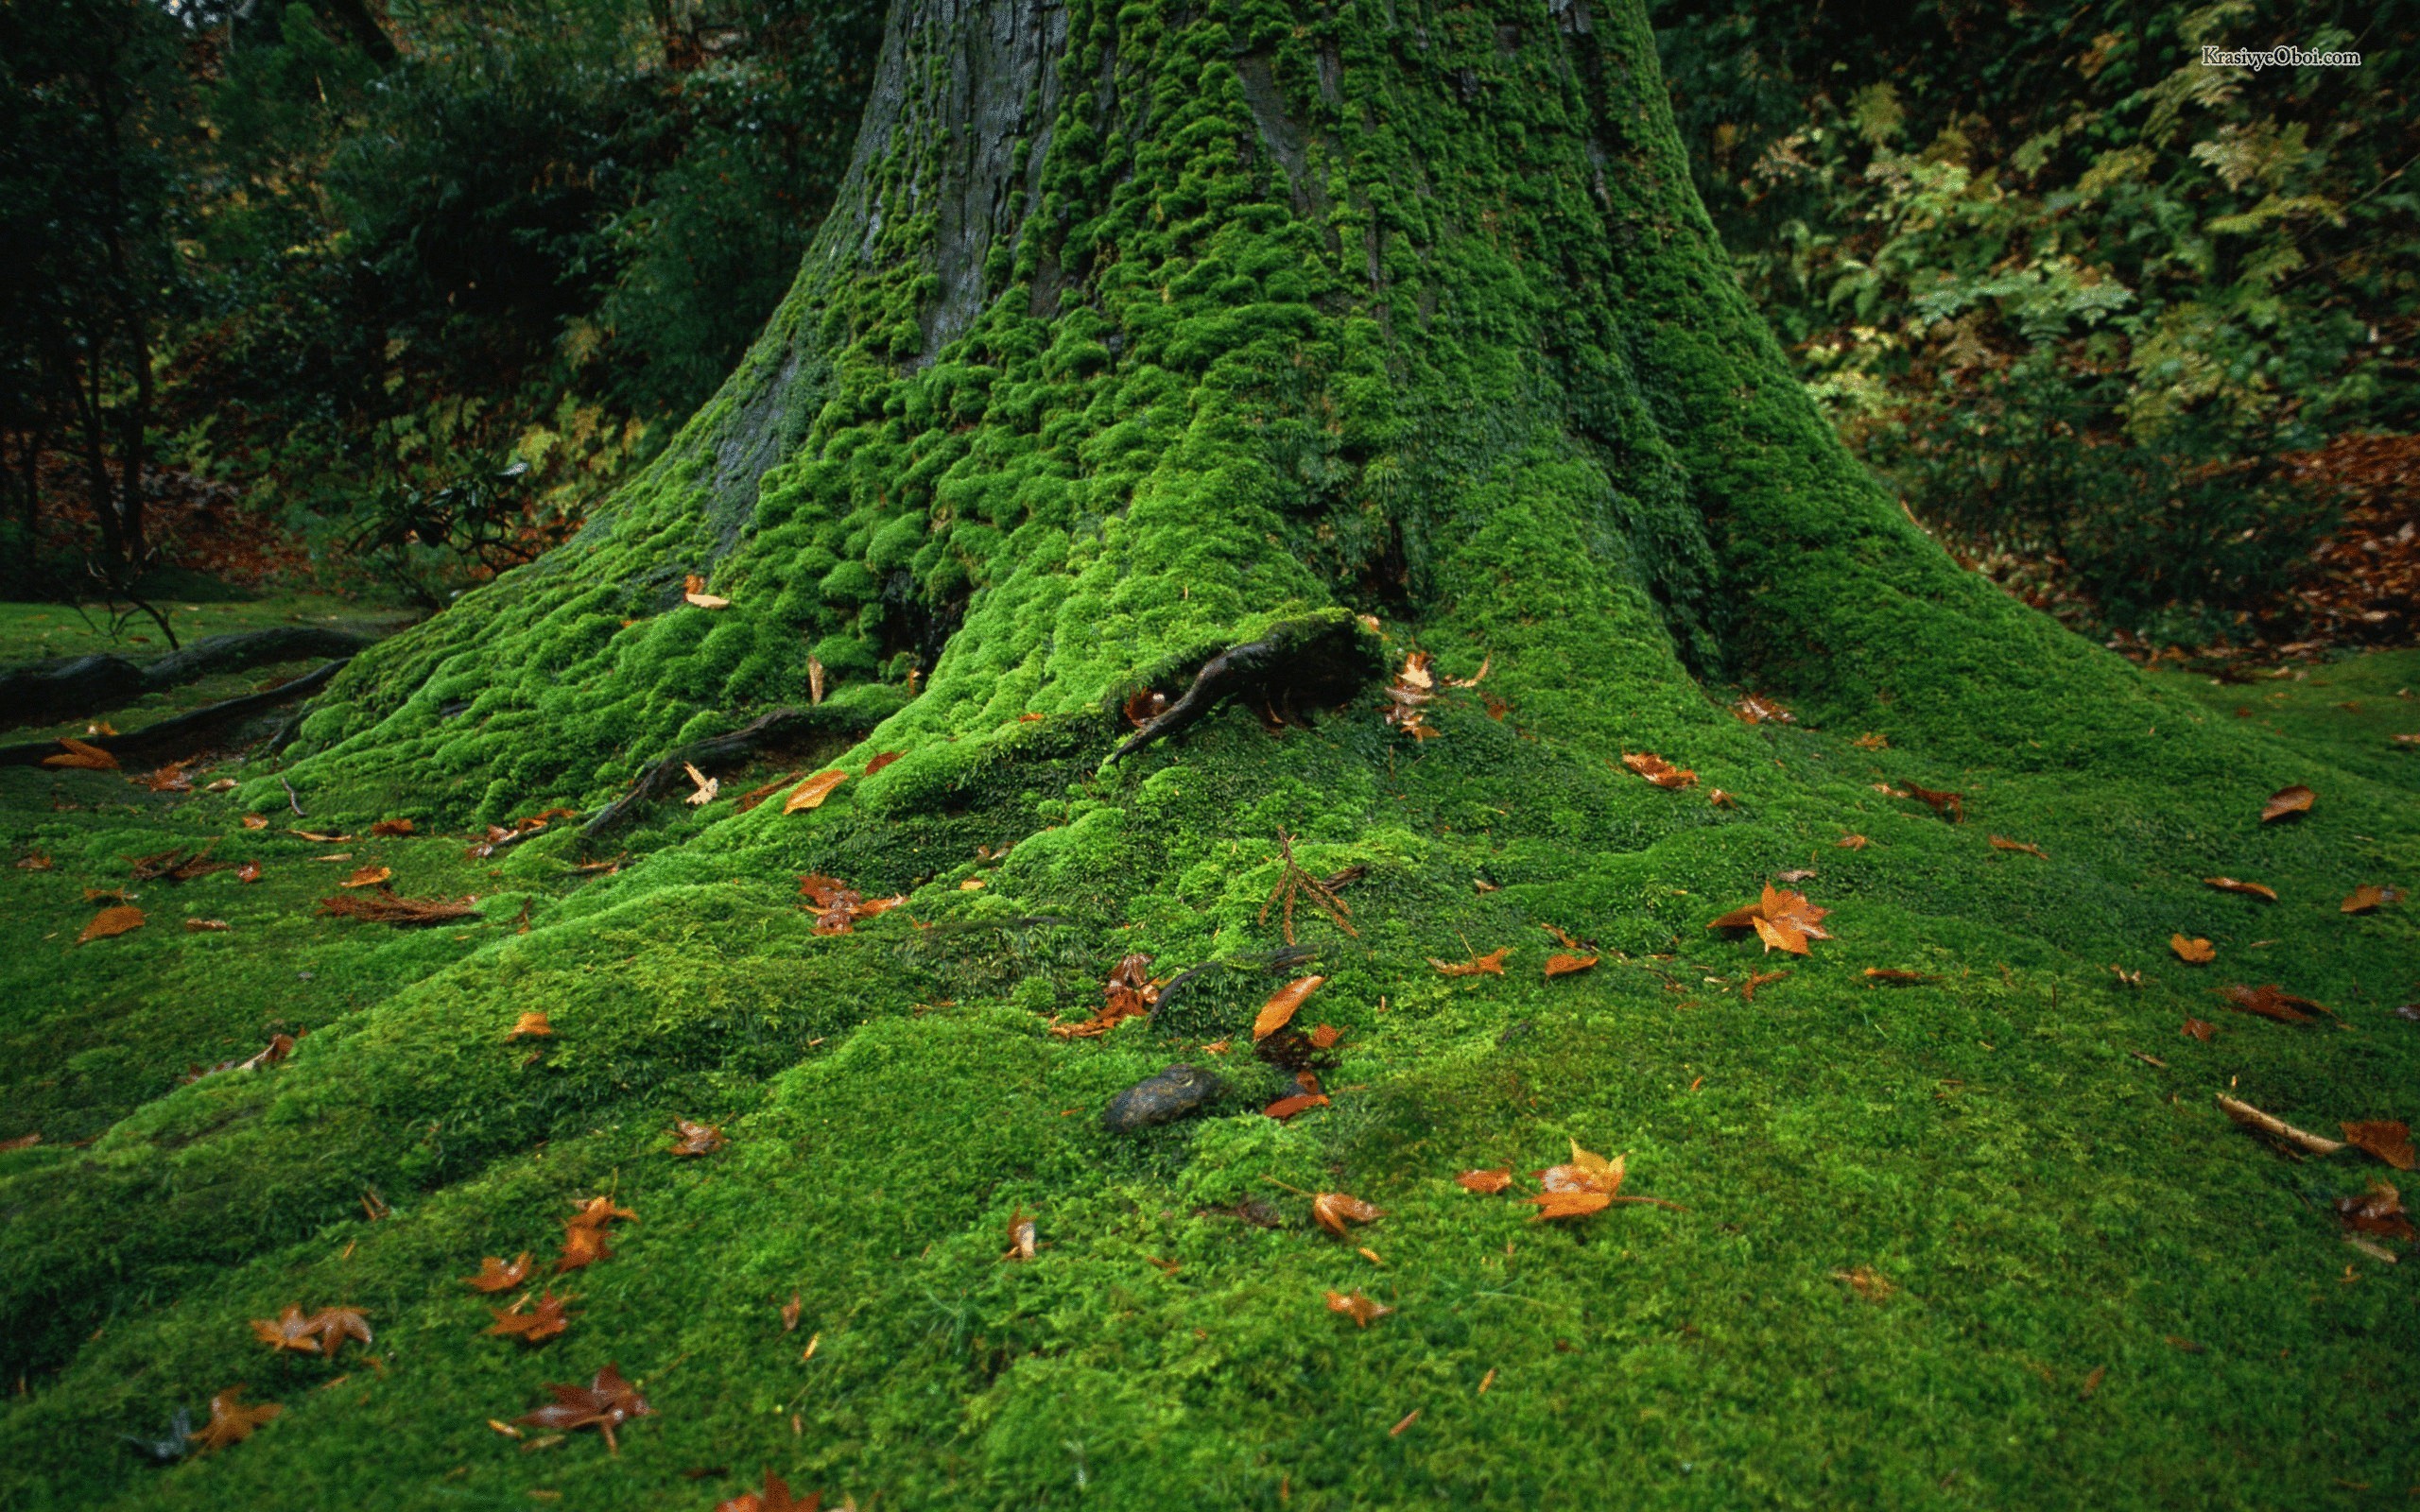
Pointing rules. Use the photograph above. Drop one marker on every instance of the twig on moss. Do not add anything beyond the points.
(1293, 883)
(293, 800)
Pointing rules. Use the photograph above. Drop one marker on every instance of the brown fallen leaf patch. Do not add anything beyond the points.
(1325, 1036)
(1334, 1210)
(2389, 1139)
(2369, 897)
(110, 921)
(1361, 1310)
(80, 754)
(1492, 963)
(1867, 1282)
(882, 760)
(35, 861)
(2273, 1002)
(386, 828)
(583, 1245)
(176, 864)
(776, 1498)
(532, 1024)
(693, 1139)
(1852, 842)
(383, 907)
(1950, 806)
(1487, 1183)
(2287, 803)
(1659, 771)
(2001, 842)
(498, 1274)
(1757, 980)
(1286, 1107)
(1755, 709)
(838, 907)
(169, 779)
(2379, 1210)
(1872, 740)
(1409, 695)
(23, 1142)
(811, 792)
(368, 877)
(231, 1421)
(1784, 920)
(693, 589)
(2250, 889)
(1587, 1183)
(2197, 1029)
(1282, 1005)
(1130, 992)
(1022, 1241)
(535, 1326)
(321, 1332)
(249, 871)
(2194, 952)
(605, 1404)
(1561, 964)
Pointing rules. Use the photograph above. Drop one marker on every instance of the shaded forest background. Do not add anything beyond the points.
(380, 298)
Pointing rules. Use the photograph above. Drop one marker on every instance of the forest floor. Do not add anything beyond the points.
(1955, 1220)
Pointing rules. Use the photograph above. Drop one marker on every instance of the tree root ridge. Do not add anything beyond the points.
(1303, 664)
(187, 732)
(781, 730)
(46, 691)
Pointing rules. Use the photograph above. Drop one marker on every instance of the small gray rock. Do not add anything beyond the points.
(1161, 1099)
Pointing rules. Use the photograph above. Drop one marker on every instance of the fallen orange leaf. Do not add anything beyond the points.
(2195, 952)
(1286, 1107)
(2285, 803)
(1021, 1236)
(2389, 1139)
(367, 877)
(811, 792)
(2368, 897)
(1361, 1309)
(533, 1025)
(1282, 1004)
(1487, 1183)
(534, 1326)
(110, 921)
(1334, 1210)
(1784, 920)
(2001, 842)
(1561, 965)
(80, 754)
(230, 1421)
(1659, 771)
(2250, 889)
(1492, 963)
(496, 1275)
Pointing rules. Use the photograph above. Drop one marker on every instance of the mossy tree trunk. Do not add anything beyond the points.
(1138, 331)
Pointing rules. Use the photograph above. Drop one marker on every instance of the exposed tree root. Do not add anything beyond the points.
(782, 731)
(187, 732)
(1306, 665)
(41, 691)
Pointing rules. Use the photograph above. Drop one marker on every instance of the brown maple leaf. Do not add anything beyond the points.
(2368, 897)
(1286, 1107)
(230, 1421)
(598, 1212)
(1334, 1210)
(1492, 963)
(333, 1325)
(1784, 920)
(605, 1404)
(1128, 993)
(582, 1246)
(535, 1326)
(2194, 952)
(2271, 1002)
(691, 1139)
(2197, 1029)
(1486, 1183)
(2287, 803)
(495, 1275)
(290, 1329)
(776, 1498)
(1659, 771)
(811, 792)
(2379, 1210)
(1559, 964)
(1589, 1183)
(1361, 1309)
(1280, 1008)
(110, 921)
(80, 754)
(2389, 1139)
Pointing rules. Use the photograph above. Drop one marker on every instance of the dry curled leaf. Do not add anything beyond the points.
(1487, 1183)
(605, 1404)
(582, 1246)
(368, 877)
(597, 1213)
(1325, 1036)
(1021, 1236)
(385, 828)
(1784, 920)
(2271, 1002)
(497, 1275)
(2387, 1138)
(2250, 889)
(256, 821)
(532, 1024)
(535, 1326)
(290, 1329)
(2368, 897)
(1720, 799)
(811, 792)
(207, 927)
(36, 861)
(1280, 1008)
(706, 789)
(791, 1311)
(110, 921)
(1361, 1309)
(2194, 952)
(1334, 1210)
(1492, 963)
(230, 1421)
(2197, 1029)
(1286, 1107)
(1409, 695)
(1659, 771)
(2379, 1210)
(691, 1139)
(81, 755)
(249, 871)
(1755, 709)
(2001, 842)
(2285, 804)
(1559, 964)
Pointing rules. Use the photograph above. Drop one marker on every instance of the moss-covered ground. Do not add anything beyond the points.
(2102, 1292)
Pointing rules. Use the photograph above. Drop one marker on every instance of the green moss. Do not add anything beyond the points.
(1544, 435)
